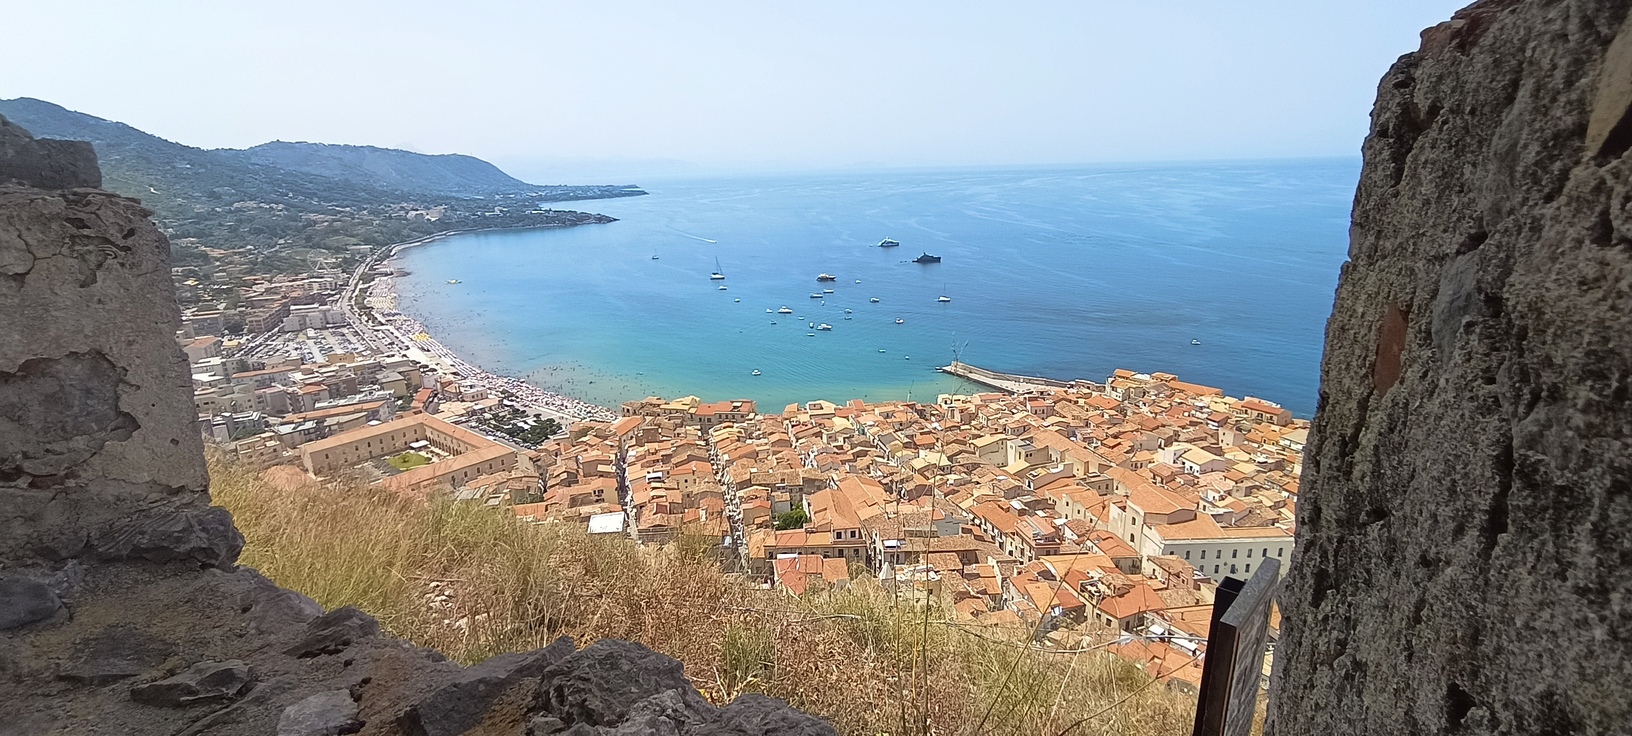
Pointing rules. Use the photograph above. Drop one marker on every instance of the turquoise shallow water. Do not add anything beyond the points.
(1058, 272)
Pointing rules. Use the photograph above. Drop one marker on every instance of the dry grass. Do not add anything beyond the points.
(472, 583)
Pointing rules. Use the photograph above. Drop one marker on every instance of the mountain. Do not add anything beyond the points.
(139, 164)
(285, 206)
(387, 167)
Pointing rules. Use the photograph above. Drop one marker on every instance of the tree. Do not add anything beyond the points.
(791, 520)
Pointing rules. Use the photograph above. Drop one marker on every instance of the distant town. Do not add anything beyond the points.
(1093, 511)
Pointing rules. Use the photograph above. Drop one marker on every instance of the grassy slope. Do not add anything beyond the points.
(850, 655)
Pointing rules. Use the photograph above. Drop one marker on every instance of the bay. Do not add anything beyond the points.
(1059, 272)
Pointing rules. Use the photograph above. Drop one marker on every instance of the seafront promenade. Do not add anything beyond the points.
(1007, 382)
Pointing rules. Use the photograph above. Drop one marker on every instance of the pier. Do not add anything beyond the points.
(1007, 382)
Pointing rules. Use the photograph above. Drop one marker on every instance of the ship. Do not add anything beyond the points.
(719, 273)
(825, 327)
(925, 258)
(785, 310)
(888, 243)
(827, 277)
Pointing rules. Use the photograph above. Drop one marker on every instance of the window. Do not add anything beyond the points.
(1215, 569)
(1279, 551)
(1249, 554)
(1234, 553)
(1187, 554)
(1266, 552)
(1203, 554)
(1249, 567)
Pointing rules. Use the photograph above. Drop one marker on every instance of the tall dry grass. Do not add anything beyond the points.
(471, 583)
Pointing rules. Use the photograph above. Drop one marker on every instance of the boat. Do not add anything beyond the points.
(825, 327)
(858, 281)
(654, 256)
(810, 334)
(847, 316)
(925, 258)
(719, 273)
(773, 321)
(816, 295)
(888, 243)
(873, 300)
(908, 357)
(847, 311)
(736, 300)
(756, 373)
(827, 277)
(810, 324)
(943, 299)
(1195, 342)
(722, 287)
(783, 310)
(453, 281)
(881, 350)
(900, 321)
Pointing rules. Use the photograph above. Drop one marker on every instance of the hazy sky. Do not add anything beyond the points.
(544, 87)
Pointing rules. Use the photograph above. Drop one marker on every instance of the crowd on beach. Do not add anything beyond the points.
(408, 332)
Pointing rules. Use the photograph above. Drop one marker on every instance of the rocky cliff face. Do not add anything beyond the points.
(1464, 557)
(121, 609)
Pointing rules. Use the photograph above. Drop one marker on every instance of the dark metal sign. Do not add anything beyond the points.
(1235, 653)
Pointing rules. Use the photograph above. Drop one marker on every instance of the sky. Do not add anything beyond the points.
(560, 89)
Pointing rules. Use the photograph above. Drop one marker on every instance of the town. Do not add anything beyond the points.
(1103, 512)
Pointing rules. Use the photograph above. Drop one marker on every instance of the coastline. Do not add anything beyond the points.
(398, 331)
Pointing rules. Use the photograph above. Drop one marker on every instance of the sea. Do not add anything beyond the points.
(1220, 272)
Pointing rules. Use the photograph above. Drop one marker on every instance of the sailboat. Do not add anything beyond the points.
(719, 273)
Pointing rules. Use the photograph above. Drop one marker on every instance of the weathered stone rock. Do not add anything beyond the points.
(756, 715)
(1464, 555)
(45, 163)
(202, 535)
(458, 706)
(116, 653)
(200, 683)
(334, 632)
(325, 714)
(24, 601)
(600, 684)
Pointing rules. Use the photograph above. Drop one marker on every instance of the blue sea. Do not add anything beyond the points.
(1059, 272)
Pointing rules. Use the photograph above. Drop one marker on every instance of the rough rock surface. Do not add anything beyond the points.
(1464, 560)
(121, 608)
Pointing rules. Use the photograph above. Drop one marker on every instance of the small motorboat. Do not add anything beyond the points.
(943, 299)
(755, 373)
(811, 324)
(810, 334)
(827, 277)
(908, 357)
(736, 300)
(847, 311)
(900, 321)
(873, 300)
(453, 281)
(784, 310)
(773, 321)
(824, 327)
(888, 243)
(654, 256)
(722, 287)
(827, 291)
(1195, 342)
(881, 350)
(847, 316)
(816, 295)
(768, 310)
